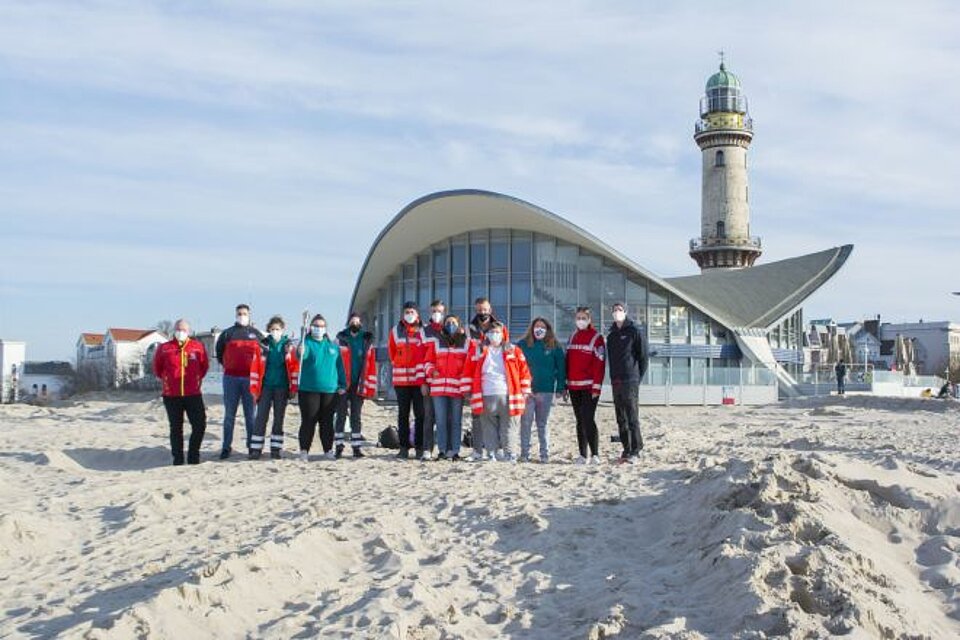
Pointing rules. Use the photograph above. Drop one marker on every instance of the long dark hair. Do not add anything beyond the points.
(459, 338)
(550, 339)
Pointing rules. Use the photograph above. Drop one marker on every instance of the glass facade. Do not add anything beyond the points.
(528, 275)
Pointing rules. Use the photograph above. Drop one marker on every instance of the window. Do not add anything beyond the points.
(718, 160)
(679, 328)
(521, 253)
(458, 259)
(439, 261)
(721, 229)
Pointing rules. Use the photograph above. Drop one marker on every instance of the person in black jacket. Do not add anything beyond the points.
(627, 358)
(841, 371)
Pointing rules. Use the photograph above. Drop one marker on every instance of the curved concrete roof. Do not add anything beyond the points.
(735, 298)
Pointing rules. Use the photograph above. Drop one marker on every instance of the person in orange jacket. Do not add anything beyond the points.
(408, 348)
(360, 363)
(500, 385)
(180, 364)
(586, 358)
(449, 384)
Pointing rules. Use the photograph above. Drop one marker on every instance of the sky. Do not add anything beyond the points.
(168, 159)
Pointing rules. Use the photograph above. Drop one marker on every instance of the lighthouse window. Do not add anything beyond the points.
(719, 161)
(721, 229)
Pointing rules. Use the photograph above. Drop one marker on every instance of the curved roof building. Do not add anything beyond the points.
(712, 335)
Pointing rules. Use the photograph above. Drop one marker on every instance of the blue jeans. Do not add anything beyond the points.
(538, 406)
(448, 412)
(235, 390)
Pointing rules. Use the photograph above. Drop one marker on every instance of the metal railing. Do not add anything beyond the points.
(701, 126)
(735, 242)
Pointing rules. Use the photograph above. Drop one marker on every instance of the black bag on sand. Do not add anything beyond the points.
(467, 438)
(389, 438)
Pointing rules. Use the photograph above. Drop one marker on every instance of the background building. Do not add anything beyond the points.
(936, 344)
(12, 356)
(117, 358)
(47, 380)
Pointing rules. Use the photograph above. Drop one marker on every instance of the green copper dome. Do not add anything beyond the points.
(723, 78)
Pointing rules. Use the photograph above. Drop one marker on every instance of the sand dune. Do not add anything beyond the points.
(806, 519)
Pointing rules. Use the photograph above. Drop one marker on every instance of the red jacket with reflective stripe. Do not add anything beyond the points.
(408, 348)
(447, 368)
(368, 378)
(518, 379)
(181, 367)
(585, 361)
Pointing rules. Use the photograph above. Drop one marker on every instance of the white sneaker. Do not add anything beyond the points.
(330, 455)
(580, 460)
(476, 457)
(304, 456)
(491, 457)
(594, 460)
(544, 459)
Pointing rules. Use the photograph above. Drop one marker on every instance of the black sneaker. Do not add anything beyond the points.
(225, 454)
(441, 456)
(339, 452)
(358, 453)
(177, 462)
(404, 454)
(455, 458)
(420, 455)
(254, 454)
(275, 454)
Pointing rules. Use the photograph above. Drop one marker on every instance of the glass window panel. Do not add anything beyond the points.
(440, 290)
(545, 256)
(657, 297)
(656, 372)
(478, 257)
(698, 327)
(478, 288)
(439, 261)
(519, 288)
(458, 259)
(657, 323)
(423, 265)
(590, 276)
(698, 371)
(543, 311)
(680, 370)
(409, 271)
(679, 325)
(498, 291)
(458, 291)
(499, 256)
(424, 297)
(614, 288)
(409, 293)
(396, 299)
(462, 313)
(519, 321)
(521, 258)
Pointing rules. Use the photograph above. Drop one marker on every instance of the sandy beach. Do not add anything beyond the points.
(802, 520)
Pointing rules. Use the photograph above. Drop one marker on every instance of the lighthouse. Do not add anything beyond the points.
(723, 133)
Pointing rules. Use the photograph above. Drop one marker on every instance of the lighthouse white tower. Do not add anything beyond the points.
(723, 133)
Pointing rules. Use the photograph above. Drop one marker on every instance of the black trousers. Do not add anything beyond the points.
(585, 411)
(429, 423)
(408, 397)
(351, 402)
(196, 412)
(626, 398)
(277, 399)
(317, 408)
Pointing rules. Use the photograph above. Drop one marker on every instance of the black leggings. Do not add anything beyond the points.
(585, 410)
(407, 397)
(316, 408)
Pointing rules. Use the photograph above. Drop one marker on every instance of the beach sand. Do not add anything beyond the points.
(802, 520)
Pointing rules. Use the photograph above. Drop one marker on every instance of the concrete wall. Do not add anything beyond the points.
(12, 355)
(724, 192)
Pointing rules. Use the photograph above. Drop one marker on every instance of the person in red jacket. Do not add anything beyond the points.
(586, 358)
(238, 350)
(449, 384)
(181, 364)
(408, 348)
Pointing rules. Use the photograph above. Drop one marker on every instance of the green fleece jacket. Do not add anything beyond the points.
(321, 368)
(547, 366)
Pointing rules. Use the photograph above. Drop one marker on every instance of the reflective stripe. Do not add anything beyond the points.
(579, 383)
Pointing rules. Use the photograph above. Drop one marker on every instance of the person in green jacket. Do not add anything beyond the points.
(322, 379)
(275, 391)
(548, 368)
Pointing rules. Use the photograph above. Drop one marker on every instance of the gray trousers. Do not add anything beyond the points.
(499, 426)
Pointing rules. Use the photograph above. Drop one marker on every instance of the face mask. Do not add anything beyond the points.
(276, 334)
(496, 338)
(436, 317)
(539, 333)
(318, 332)
(583, 324)
(354, 327)
(409, 318)
(451, 327)
(619, 316)
(243, 320)
(181, 336)
(483, 317)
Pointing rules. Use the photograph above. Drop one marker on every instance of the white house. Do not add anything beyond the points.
(116, 358)
(937, 343)
(12, 355)
(46, 380)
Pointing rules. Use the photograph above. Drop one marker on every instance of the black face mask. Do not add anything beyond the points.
(354, 328)
(483, 317)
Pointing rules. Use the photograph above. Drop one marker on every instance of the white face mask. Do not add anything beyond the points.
(243, 320)
(436, 317)
(496, 338)
(619, 316)
(539, 333)
(181, 336)
(583, 324)
(409, 318)
(276, 334)
(318, 332)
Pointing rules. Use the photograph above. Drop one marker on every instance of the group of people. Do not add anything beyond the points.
(437, 366)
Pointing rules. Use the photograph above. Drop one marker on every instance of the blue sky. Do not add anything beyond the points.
(171, 159)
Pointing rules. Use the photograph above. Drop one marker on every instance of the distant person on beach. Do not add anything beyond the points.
(548, 369)
(841, 372)
(322, 379)
(586, 367)
(408, 350)
(278, 385)
(627, 358)
(446, 368)
(180, 364)
(946, 391)
(237, 349)
(360, 363)
(499, 391)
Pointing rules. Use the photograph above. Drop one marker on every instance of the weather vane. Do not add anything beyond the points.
(721, 58)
